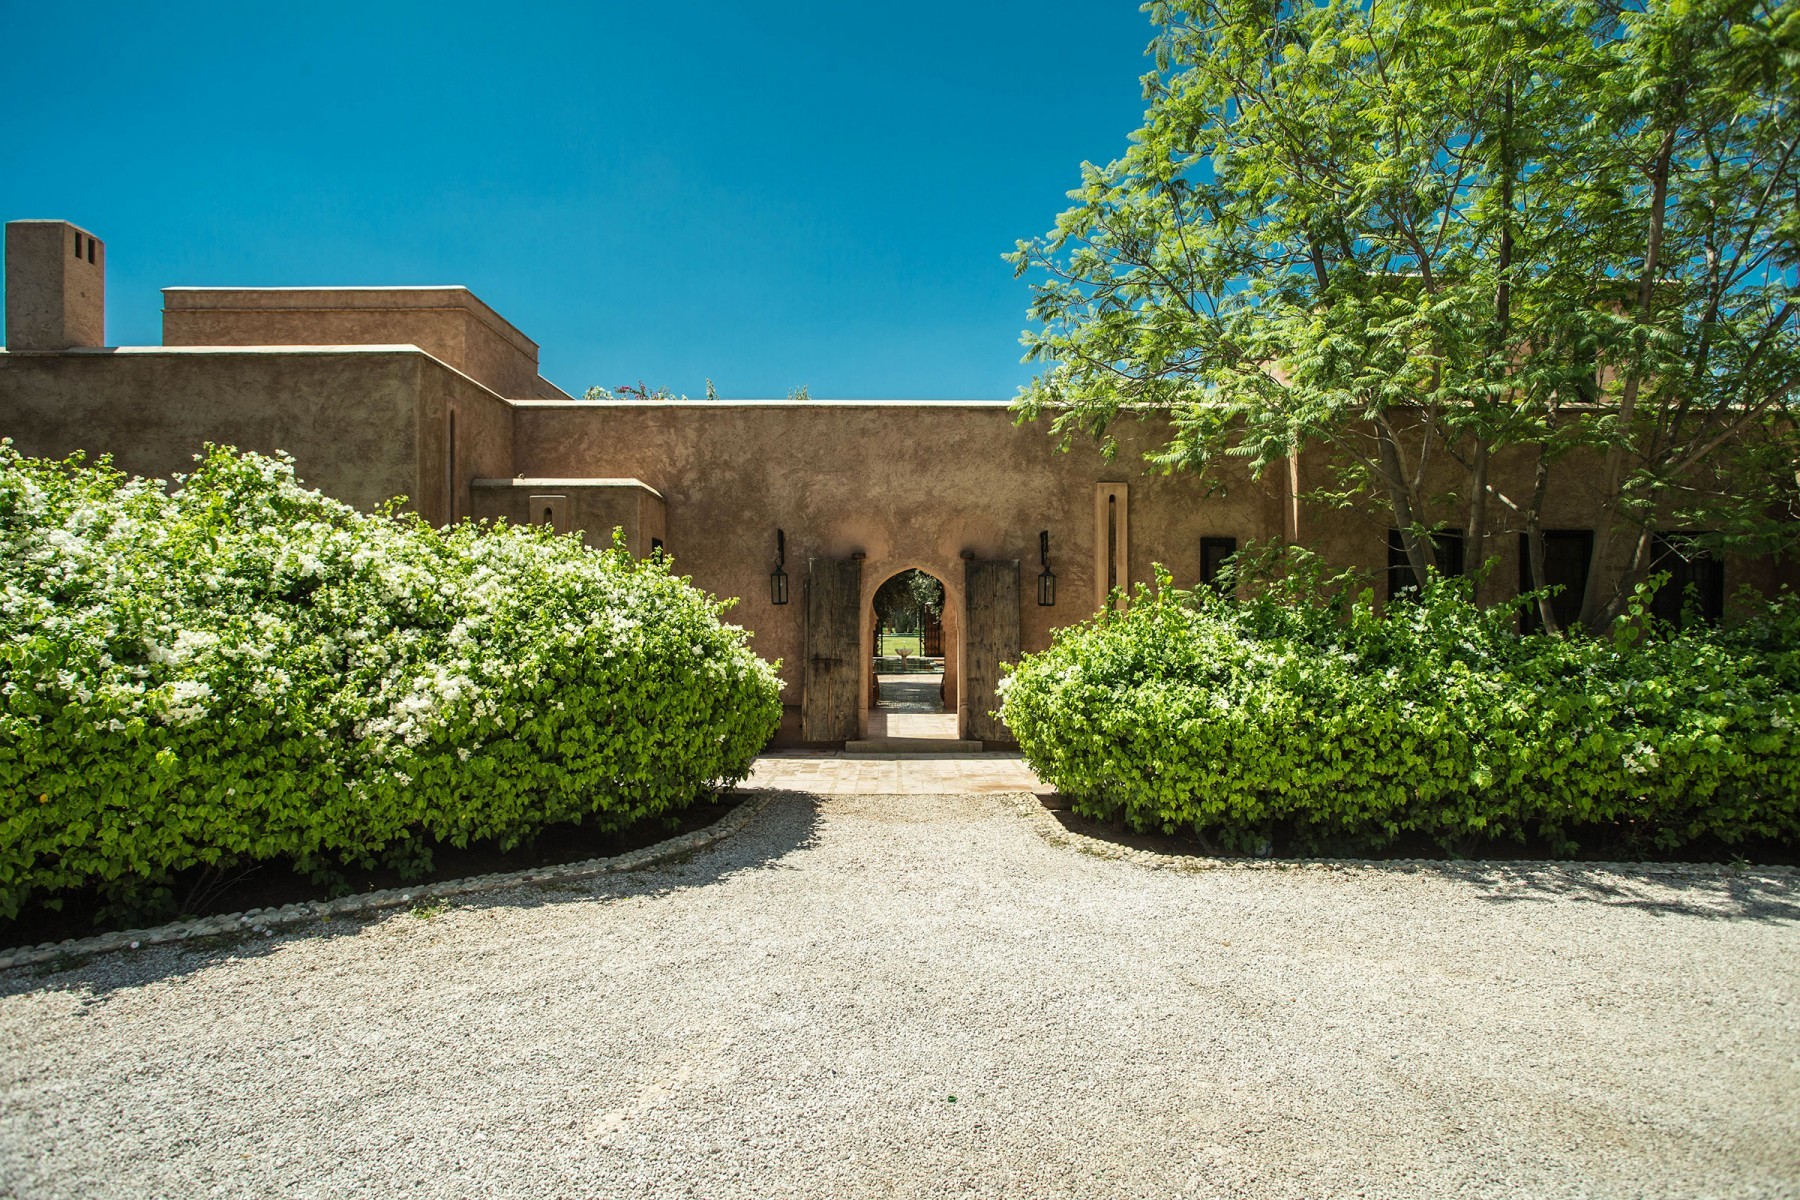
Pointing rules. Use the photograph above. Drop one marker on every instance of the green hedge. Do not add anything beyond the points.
(1316, 726)
(238, 669)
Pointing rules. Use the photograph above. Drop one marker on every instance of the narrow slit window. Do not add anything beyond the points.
(1112, 542)
(90, 249)
(450, 471)
(78, 245)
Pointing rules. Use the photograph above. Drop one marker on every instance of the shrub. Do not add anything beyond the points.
(238, 669)
(1326, 726)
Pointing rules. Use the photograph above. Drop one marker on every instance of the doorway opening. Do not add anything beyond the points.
(908, 697)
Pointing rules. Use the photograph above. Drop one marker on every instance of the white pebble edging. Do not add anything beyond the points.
(265, 921)
(1044, 822)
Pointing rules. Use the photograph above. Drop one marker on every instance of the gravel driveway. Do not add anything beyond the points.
(929, 996)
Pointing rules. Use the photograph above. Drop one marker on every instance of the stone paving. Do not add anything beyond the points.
(836, 773)
(911, 707)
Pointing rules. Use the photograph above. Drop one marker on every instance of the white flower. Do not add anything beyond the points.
(1640, 758)
(185, 702)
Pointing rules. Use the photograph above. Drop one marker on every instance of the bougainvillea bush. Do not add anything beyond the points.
(237, 669)
(1318, 726)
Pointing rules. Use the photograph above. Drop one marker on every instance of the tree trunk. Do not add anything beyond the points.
(1592, 605)
(1534, 540)
(1475, 537)
(1393, 473)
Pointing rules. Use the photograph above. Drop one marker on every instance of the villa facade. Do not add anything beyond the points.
(428, 393)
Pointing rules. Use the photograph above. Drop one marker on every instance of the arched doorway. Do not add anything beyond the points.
(841, 689)
(912, 649)
(908, 686)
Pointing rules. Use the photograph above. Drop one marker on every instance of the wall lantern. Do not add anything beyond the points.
(1046, 581)
(778, 580)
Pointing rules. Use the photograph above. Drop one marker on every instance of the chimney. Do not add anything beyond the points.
(55, 286)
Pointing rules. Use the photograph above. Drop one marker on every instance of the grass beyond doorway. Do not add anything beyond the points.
(887, 644)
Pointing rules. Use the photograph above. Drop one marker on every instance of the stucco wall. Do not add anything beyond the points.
(909, 485)
(484, 440)
(347, 416)
(590, 508)
(449, 323)
(55, 286)
(1357, 536)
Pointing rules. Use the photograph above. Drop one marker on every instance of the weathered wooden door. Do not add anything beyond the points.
(991, 638)
(828, 708)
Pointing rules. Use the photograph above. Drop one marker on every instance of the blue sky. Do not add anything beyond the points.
(770, 195)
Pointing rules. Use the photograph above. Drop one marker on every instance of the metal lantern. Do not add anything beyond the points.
(1046, 581)
(778, 579)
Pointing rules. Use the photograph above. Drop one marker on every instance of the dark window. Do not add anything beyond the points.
(1213, 553)
(1566, 556)
(90, 249)
(656, 545)
(78, 245)
(1586, 385)
(1446, 547)
(1692, 568)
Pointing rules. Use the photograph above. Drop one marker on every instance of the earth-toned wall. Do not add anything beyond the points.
(592, 508)
(451, 324)
(428, 393)
(364, 424)
(905, 484)
(348, 417)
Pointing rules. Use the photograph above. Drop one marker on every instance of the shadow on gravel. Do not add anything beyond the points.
(788, 825)
(1715, 892)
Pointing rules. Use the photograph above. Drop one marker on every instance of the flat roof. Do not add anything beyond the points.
(524, 481)
(355, 299)
(794, 404)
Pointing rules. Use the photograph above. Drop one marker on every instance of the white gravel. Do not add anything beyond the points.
(791, 1012)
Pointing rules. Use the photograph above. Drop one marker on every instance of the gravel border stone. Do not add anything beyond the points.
(264, 921)
(1043, 820)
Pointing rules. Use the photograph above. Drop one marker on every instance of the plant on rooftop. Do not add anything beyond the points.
(238, 669)
(1298, 717)
(639, 391)
(1422, 235)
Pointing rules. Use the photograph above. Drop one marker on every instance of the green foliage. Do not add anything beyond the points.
(240, 669)
(640, 391)
(1418, 234)
(1337, 728)
(904, 600)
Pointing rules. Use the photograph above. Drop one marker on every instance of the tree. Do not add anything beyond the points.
(906, 598)
(1421, 235)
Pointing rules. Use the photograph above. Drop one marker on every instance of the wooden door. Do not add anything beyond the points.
(991, 637)
(829, 710)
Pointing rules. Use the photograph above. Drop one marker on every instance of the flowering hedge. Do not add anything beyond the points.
(238, 669)
(1316, 728)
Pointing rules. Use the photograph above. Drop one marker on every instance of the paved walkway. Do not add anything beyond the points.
(919, 996)
(911, 706)
(836, 773)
